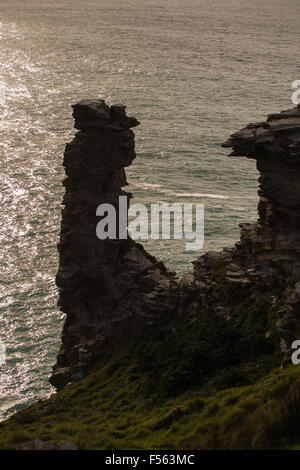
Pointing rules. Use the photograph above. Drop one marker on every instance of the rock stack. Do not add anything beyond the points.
(102, 283)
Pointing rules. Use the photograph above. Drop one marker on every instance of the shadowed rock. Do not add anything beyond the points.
(113, 287)
(101, 283)
(272, 245)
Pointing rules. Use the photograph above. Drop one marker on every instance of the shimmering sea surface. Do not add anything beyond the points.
(192, 72)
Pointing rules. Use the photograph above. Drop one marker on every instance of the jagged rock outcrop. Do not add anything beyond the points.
(272, 245)
(101, 282)
(275, 145)
(105, 284)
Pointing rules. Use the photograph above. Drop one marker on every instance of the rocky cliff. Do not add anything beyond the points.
(247, 297)
(157, 362)
(272, 246)
(103, 284)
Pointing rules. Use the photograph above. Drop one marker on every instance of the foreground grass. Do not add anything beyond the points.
(109, 410)
(178, 385)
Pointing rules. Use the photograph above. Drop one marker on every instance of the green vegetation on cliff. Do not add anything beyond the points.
(212, 385)
(108, 410)
(198, 385)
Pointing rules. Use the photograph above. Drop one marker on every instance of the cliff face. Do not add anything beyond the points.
(275, 144)
(102, 283)
(110, 288)
(272, 245)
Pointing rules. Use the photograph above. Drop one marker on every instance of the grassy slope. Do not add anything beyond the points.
(108, 410)
(177, 385)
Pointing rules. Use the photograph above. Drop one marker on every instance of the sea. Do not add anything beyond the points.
(192, 72)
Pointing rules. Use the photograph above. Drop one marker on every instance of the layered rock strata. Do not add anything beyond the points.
(272, 245)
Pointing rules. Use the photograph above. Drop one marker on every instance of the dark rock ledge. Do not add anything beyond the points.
(105, 285)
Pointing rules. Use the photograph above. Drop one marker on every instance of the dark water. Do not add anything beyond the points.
(192, 72)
